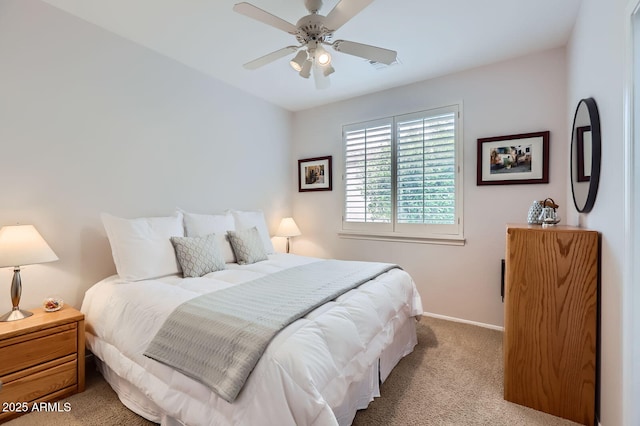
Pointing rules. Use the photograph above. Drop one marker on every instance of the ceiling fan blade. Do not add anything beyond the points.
(265, 17)
(343, 11)
(372, 53)
(270, 57)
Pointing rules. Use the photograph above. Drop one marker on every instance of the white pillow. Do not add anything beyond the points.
(199, 225)
(249, 219)
(141, 247)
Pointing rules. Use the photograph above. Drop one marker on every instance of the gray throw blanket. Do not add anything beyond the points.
(218, 338)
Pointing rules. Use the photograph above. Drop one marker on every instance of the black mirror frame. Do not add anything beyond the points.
(596, 152)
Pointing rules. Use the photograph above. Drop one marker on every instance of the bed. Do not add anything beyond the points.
(319, 370)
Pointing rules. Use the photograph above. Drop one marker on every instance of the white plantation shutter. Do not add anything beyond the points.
(402, 176)
(368, 172)
(426, 162)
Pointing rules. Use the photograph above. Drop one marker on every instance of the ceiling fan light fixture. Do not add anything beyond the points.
(323, 58)
(328, 70)
(312, 32)
(305, 72)
(297, 63)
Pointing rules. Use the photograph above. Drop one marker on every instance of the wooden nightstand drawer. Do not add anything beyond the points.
(35, 348)
(46, 380)
(41, 359)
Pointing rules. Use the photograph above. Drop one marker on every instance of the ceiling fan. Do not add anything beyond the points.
(314, 31)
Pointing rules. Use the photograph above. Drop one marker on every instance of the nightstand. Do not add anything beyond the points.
(41, 360)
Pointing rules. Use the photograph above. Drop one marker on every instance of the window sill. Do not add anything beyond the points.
(444, 240)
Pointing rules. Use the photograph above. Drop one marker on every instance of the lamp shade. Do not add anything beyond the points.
(305, 72)
(288, 228)
(23, 245)
(298, 61)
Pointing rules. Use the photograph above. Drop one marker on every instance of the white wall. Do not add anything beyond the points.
(90, 122)
(596, 56)
(526, 94)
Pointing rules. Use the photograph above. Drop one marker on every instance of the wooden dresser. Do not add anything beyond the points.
(551, 320)
(41, 360)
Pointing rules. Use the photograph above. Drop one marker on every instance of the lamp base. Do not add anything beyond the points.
(14, 315)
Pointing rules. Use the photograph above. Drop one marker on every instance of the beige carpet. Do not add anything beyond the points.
(453, 377)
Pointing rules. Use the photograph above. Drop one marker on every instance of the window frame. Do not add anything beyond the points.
(421, 233)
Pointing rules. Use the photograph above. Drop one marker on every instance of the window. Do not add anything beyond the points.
(403, 177)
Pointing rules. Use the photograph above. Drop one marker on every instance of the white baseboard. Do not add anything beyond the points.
(479, 324)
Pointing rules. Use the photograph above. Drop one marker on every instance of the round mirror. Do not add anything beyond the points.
(585, 155)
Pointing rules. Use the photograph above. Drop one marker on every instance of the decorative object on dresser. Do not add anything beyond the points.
(543, 213)
(551, 320)
(21, 245)
(314, 174)
(533, 216)
(549, 215)
(41, 361)
(288, 228)
(513, 159)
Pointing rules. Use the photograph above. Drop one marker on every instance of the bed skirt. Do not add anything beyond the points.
(360, 393)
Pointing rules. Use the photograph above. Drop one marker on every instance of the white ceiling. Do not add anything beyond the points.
(432, 38)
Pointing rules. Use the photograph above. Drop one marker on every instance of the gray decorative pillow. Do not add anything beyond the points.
(247, 246)
(198, 255)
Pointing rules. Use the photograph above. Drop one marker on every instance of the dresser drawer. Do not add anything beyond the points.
(35, 348)
(41, 383)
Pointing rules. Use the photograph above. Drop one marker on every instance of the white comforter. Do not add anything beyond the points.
(305, 374)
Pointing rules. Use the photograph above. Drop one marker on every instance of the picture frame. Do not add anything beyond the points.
(314, 174)
(584, 153)
(514, 159)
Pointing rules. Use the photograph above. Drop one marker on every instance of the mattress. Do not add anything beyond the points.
(317, 371)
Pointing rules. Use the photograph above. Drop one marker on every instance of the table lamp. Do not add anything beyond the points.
(21, 245)
(288, 228)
